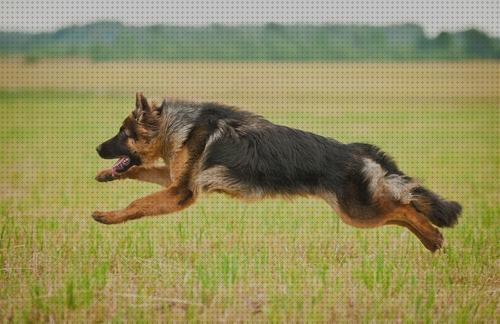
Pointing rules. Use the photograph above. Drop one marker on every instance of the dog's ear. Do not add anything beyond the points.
(141, 103)
(155, 107)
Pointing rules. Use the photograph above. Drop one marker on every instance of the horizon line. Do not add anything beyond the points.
(259, 24)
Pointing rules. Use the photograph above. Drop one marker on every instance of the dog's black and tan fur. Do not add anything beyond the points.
(207, 147)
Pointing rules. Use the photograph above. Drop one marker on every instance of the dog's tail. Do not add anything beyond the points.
(440, 212)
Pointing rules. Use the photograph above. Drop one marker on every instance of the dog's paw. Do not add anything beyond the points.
(435, 241)
(106, 175)
(106, 217)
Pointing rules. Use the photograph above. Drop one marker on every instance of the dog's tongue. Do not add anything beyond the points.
(120, 164)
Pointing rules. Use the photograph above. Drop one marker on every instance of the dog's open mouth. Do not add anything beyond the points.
(122, 165)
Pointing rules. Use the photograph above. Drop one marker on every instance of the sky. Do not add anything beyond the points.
(434, 15)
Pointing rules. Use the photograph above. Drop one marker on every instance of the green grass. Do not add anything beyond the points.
(224, 259)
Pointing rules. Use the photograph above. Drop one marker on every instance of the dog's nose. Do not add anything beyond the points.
(98, 148)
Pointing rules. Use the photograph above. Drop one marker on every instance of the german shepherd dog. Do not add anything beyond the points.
(209, 147)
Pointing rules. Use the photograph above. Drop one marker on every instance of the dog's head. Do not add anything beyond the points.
(136, 142)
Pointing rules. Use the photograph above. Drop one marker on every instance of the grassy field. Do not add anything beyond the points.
(224, 259)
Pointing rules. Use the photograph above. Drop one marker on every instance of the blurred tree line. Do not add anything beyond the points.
(103, 41)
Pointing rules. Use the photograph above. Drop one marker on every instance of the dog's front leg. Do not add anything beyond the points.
(106, 175)
(166, 201)
(159, 175)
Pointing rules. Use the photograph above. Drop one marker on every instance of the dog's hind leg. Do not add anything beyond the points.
(368, 220)
(403, 215)
(418, 224)
(166, 201)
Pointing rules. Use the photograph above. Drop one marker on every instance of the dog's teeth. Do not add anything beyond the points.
(121, 164)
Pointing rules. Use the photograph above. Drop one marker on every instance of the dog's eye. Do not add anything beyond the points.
(122, 134)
